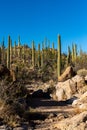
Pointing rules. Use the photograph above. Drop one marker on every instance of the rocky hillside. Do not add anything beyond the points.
(29, 103)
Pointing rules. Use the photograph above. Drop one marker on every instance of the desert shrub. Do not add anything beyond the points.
(82, 72)
(81, 62)
(13, 96)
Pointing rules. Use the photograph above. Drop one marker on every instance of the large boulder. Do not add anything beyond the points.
(65, 90)
(68, 73)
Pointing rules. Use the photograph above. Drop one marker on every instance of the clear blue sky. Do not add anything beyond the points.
(37, 19)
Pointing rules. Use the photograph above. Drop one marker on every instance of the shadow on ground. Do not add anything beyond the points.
(41, 102)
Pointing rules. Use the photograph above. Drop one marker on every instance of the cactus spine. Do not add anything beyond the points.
(8, 53)
(59, 57)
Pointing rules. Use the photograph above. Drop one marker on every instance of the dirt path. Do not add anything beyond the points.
(51, 112)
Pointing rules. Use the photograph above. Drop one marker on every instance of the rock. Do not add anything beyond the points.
(81, 103)
(19, 128)
(80, 81)
(60, 94)
(68, 73)
(65, 90)
(78, 122)
(86, 78)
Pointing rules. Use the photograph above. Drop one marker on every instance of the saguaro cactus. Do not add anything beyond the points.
(42, 55)
(33, 54)
(59, 57)
(11, 51)
(0, 55)
(19, 41)
(72, 52)
(8, 53)
(69, 56)
(53, 47)
(15, 48)
(19, 47)
(24, 54)
(3, 52)
(75, 52)
(39, 55)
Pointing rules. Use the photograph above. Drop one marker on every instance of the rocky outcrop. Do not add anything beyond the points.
(68, 73)
(81, 103)
(66, 89)
(78, 122)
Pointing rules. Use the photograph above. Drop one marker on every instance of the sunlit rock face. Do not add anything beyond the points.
(65, 90)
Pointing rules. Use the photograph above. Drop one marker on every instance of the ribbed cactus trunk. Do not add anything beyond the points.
(48, 44)
(0, 55)
(53, 48)
(11, 51)
(72, 52)
(75, 52)
(19, 47)
(59, 57)
(69, 56)
(33, 54)
(15, 52)
(8, 53)
(39, 59)
(42, 55)
(24, 53)
(3, 53)
(42, 58)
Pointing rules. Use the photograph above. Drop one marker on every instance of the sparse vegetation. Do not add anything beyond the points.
(30, 65)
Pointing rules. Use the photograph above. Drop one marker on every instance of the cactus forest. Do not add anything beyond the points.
(16, 55)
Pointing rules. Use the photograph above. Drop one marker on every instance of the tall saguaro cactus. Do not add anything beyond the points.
(75, 52)
(0, 55)
(39, 55)
(15, 49)
(53, 47)
(42, 55)
(19, 47)
(33, 54)
(69, 56)
(11, 51)
(3, 52)
(59, 57)
(8, 53)
(72, 52)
